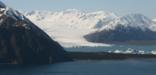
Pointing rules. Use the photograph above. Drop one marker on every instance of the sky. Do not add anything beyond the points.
(120, 7)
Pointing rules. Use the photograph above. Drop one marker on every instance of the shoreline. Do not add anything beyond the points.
(108, 56)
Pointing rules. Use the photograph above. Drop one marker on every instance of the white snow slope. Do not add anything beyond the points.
(69, 26)
(131, 20)
(154, 20)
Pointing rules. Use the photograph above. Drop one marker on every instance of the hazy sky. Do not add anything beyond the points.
(121, 7)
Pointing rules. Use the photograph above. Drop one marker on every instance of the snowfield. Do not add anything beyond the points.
(69, 26)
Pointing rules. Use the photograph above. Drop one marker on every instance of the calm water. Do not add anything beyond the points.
(126, 67)
(105, 67)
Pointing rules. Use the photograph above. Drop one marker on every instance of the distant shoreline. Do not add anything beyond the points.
(108, 56)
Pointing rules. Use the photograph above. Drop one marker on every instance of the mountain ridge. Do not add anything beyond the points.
(76, 24)
(129, 29)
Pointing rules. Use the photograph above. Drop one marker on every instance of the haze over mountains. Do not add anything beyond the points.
(69, 27)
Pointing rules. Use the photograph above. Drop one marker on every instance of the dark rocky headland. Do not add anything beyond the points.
(22, 42)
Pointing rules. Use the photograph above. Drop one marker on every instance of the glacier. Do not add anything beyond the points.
(68, 27)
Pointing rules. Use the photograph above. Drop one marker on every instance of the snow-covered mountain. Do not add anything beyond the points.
(69, 26)
(72, 18)
(132, 28)
(131, 20)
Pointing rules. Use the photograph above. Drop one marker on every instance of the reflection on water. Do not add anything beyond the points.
(123, 67)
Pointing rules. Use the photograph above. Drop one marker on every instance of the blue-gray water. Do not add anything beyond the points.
(123, 67)
(88, 67)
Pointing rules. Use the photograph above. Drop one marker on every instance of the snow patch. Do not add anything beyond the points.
(154, 20)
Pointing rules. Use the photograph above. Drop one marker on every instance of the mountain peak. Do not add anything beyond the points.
(131, 20)
(135, 17)
(128, 29)
(72, 10)
(23, 45)
(7, 12)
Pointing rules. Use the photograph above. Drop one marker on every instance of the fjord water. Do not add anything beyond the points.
(120, 67)
(89, 67)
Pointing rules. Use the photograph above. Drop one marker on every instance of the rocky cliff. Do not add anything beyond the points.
(23, 42)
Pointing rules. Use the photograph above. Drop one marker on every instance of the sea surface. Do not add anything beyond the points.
(111, 67)
(89, 67)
